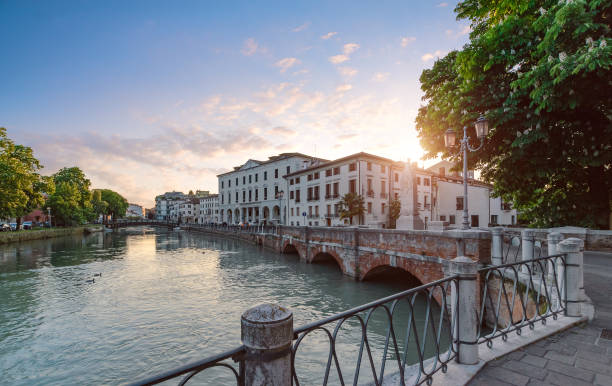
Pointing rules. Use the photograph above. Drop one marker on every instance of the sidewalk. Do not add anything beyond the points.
(579, 356)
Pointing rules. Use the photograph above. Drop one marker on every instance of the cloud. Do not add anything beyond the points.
(347, 71)
(347, 136)
(441, 5)
(380, 76)
(328, 35)
(287, 63)
(337, 59)
(249, 47)
(407, 40)
(344, 88)
(301, 27)
(300, 72)
(349, 48)
(429, 56)
(281, 130)
(466, 29)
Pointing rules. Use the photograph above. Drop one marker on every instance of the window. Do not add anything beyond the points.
(316, 193)
(336, 171)
(425, 201)
(442, 218)
(236, 181)
(418, 180)
(396, 196)
(297, 180)
(250, 178)
(265, 176)
(275, 173)
(291, 212)
(383, 188)
(383, 168)
(369, 208)
(317, 210)
(513, 220)
(236, 197)
(276, 191)
(309, 194)
(494, 219)
(256, 194)
(297, 195)
(310, 210)
(336, 188)
(505, 205)
(369, 166)
(265, 193)
(382, 208)
(256, 175)
(451, 219)
(328, 173)
(223, 199)
(475, 220)
(243, 180)
(309, 177)
(316, 175)
(352, 186)
(352, 167)
(221, 184)
(250, 194)
(459, 203)
(288, 169)
(291, 181)
(442, 171)
(327, 190)
(243, 196)
(396, 177)
(291, 194)
(426, 181)
(329, 210)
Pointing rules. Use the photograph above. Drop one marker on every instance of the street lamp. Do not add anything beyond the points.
(482, 128)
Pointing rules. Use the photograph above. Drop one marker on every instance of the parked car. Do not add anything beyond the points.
(26, 225)
(5, 227)
(13, 226)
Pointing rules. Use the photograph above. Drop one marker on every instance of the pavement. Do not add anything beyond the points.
(579, 356)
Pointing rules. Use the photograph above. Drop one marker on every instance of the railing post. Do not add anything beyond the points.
(573, 249)
(497, 242)
(527, 242)
(465, 309)
(267, 333)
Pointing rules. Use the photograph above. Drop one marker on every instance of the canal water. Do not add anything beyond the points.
(164, 299)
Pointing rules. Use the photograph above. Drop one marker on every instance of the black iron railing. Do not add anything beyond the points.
(429, 336)
(520, 294)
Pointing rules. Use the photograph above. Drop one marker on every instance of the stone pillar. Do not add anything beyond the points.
(267, 332)
(465, 308)
(497, 242)
(527, 242)
(553, 240)
(573, 249)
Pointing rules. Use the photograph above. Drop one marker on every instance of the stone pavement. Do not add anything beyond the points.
(579, 356)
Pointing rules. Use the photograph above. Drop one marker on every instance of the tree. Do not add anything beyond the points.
(99, 206)
(351, 205)
(71, 202)
(22, 188)
(394, 212)
(540, 72)
(116, 204)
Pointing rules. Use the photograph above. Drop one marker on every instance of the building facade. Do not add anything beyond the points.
(253, 192)
(165, 205)
(134, 210)
(209, 209)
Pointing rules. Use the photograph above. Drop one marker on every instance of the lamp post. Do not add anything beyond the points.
(49, 215)
(482, 128)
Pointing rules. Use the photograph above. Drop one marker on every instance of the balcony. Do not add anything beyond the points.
(315, 198)
(371, 193)
(331, 196)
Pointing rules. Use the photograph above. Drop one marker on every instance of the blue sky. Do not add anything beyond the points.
(152, 96)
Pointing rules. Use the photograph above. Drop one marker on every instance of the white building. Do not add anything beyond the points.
(134, 210)
(253, 192)
(188, 210)
(209, 209)
(315, 192)
(165, 205)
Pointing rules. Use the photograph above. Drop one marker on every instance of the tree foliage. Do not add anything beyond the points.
(351, 205)
(540, 72)
(394, 212)
(116, 205)
(22, 188)
(71, 202)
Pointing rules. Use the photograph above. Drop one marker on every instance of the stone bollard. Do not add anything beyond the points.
(527, 242)
(467, 318)
(267, 333)
(497, 242)
(573, 249)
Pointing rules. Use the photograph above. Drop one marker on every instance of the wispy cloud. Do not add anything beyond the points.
(347, 71)
(407, 40)
(429, 56)
(464, 30)
(337, 59)
(344, 88)
(301, 27)
(349, 48)
(301, 72)
(328, 35)
(251, 47)
(287, 63)
(441, 5)
(380, 76)
(281, 130)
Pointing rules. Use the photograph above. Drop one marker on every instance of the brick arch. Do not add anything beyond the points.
(319, 255)
(289, 247)
(423, 271)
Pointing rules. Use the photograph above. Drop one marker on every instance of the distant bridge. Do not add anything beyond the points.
(132, 223)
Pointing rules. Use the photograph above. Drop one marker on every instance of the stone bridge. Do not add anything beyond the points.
(129, 223)
(362, 253)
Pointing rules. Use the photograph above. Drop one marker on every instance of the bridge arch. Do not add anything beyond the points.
(289, 248)
(327, 256)
(390, 273)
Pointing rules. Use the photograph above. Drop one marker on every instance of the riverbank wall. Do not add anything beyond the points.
(16, 237)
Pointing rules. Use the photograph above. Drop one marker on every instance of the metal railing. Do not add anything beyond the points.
(228, 360)
(520, 294)
(423, 339)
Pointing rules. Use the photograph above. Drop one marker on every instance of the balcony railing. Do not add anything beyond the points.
(331, 196)
(371, 193)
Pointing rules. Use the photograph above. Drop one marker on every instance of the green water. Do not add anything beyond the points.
(163, 299)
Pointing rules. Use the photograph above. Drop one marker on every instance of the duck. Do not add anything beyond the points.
(91, 281)
(97, 274)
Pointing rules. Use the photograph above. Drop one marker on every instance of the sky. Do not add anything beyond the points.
(152, 96)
